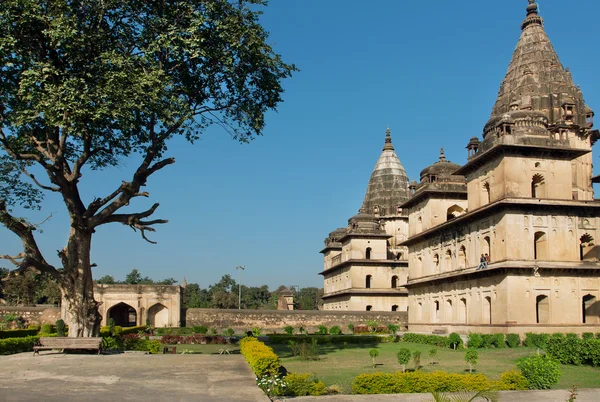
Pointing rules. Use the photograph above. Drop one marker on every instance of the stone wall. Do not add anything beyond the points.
(271, 320)
(33, 315)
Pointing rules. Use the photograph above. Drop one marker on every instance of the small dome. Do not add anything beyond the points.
(442, 167)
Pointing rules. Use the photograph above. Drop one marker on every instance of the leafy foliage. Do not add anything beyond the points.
(514, 380)
(536, 340)
(260, 357)
(471, 357)
(335, 330)
(541, 371)
(303, 385)
(374, 353)
(403, 356)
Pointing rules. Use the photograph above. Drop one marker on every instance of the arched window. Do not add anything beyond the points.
(486, 193)
(436, 263)
(586, 248)
(123, 314)
(448, 315)
(419, 267)
(462, 257)
(453, 212)
(395, 307)
(394, 282)
(540, 246)
(436, 311)
(591, 309)
(369, 308)
(542, 309)
(462, 312)
(419, 224)
(537, 186)
(368, 253)
(487, 310)
(448, 261)
(486, 248)
(420, 312)
(368, 281)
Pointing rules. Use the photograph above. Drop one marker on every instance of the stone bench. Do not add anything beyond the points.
(65, 343)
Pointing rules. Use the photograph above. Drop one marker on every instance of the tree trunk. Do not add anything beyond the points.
(81, 310)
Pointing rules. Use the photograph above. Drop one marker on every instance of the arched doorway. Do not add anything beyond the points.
(453, 212)
(123, 314)
(462, 312)
(368, 281)
(487, 310)
(586, 248)
(368, 253)
(542, 309)
(395, 307)
(448, 315)
(540, 247)
(394, 282)
(590, 309)
(537, 186)
(486, 193)
(462, 257)
(158, 316)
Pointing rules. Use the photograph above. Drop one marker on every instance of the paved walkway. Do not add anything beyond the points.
(583, 395)
(54, 377)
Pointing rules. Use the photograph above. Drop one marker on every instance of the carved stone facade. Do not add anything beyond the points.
(364, 264)
(520, 255)
(130, 305)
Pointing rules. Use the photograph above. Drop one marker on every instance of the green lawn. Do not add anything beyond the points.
(340, 365)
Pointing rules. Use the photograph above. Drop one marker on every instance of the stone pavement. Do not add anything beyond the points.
(53, 377)
(583, 395)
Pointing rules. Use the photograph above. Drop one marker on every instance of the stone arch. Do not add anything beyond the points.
(368, 279)
(123, 314)
(369, 308)
(462, 311)
(419, 224)
(448, 313)
(538, 186)
(420, 312)
(540, 246)
(486, 247)
(542, 309)
(586, 248)
(462, 257)
(395, 307)
(448, 260)
(158, 316)
(590, 309)
(368, 253)
(486, 192)
(453, 212)
(487, 310)
(436, 262)
(394, 282)
(436, 311)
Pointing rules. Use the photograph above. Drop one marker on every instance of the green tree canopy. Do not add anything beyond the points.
(87, 83)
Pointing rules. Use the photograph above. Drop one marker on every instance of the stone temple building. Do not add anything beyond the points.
(523, 200)
(365, 266)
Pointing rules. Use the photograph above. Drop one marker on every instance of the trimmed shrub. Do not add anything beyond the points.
(474, 340)
(322, 330)
(370, 329)
(47, 329)
(436, 340)
(471, 357)
(303, 385)
(403, 356)
(229, 332)
(335, 330)
(351, 328)
(541, 371)
(421, 382)
(18, 333)
(455, 341)
(588, 335)
(10, 346)
(514, 380)
(196, 339)
(37, 327)
(393, 328)
(112, 343)
(535, 340)
(60, 328)
(325, 339)
(133, 330)
(288, 329)
(513, 340)
(259, 356)
(200, 329)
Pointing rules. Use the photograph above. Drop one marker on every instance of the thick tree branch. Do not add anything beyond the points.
(40, 185)
(136, 223)
(31, 255)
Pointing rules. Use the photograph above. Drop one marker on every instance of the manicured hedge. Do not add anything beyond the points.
(105, 331)
(436, 340)
(422, 382)
(536, 340)
(18, 333)
(328, 339)
(195, 339)
(571, 349)
(10, 346)
(259, 356)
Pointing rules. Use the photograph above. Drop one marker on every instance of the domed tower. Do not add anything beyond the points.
(365, 268)
(440, 196)
(522, 255)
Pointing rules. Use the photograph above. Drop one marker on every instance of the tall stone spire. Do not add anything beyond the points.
(388, 185)
(536, 80)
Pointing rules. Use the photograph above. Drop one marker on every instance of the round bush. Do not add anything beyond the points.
(514, 380)
(541, 371)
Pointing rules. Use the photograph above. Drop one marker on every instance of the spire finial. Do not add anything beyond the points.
(442, 156)
(388, 140)
(532, 15)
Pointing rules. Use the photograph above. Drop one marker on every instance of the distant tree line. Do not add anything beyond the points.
(33, 288)
(28, 289)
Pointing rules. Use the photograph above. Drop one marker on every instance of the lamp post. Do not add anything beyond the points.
(242, 267)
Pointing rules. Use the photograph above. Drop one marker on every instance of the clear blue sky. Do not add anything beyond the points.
(430, 70)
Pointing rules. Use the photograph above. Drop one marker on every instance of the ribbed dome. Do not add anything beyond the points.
(388, 186)
(440, 168)
(536, 80)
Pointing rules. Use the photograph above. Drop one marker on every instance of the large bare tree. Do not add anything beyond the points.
(87, 83)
